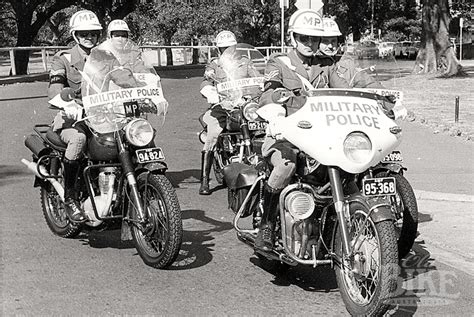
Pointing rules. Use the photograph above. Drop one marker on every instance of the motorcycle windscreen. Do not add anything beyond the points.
(118, 86)
(322, 125)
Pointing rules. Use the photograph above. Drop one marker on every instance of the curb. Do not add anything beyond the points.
(24, 78)
(426, 195)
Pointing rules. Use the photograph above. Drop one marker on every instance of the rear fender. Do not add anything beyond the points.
(238, 175)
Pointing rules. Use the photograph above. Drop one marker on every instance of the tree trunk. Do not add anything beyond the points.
(437, 52)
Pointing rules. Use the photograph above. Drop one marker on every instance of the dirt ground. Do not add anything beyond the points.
(431, 101)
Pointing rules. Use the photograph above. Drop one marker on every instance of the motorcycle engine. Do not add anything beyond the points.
(103, 201)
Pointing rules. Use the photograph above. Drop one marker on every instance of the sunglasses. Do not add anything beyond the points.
(119, 34)
(307, 38)
(87, 33)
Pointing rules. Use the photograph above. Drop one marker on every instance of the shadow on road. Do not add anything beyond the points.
(191, 176)
(415, 270)
(197, 244)
(320, 279)
(14, 173)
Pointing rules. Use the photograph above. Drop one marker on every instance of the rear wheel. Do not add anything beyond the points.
(406, 215)
(55, 214)
(368, 279)
(158, 244)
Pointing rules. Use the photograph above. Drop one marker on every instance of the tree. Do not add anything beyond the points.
(436, 51)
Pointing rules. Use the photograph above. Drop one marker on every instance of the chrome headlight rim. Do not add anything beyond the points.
(250, 111)
(358, 147)
(139, 132)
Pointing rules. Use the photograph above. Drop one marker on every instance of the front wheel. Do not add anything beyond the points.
(367, 280)
(158, 244)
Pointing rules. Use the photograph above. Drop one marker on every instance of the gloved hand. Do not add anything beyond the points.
(73, 111)
(400, 111)
(210, 93)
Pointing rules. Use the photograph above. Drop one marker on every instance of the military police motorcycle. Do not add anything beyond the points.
(390, 169)
(124, 182)
(241, 139)
(323, 217)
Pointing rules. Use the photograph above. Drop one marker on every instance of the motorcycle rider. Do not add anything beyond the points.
(297, 71)
(346, 65)
(66, 65)
(230, 65)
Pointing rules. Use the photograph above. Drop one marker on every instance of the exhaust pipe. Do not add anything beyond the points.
(36, 145)
(32, 166)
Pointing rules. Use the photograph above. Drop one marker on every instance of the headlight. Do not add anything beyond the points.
(357, 147)
(250, 111)
(139, 132)
(299, 204)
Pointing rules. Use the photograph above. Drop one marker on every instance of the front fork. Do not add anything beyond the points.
(129, 172)
(338, 198)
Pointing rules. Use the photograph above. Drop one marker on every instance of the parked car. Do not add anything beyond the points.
(257, 58)
(386, 49)
(367, 49)
(412, 50)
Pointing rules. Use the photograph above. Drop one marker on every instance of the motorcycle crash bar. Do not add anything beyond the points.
(32, 166)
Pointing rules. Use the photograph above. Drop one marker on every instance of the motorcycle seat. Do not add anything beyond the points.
(55, 140)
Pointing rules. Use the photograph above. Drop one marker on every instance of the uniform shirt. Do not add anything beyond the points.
(347, 68)
(65, 67)
(286, 70)
(228, 68)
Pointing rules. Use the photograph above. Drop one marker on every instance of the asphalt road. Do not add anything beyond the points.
(97, 274)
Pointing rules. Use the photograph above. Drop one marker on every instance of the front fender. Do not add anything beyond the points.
(389, 167)
(379, 208)
(155, 167)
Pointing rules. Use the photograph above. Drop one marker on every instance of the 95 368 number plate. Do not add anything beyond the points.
(379, 186)
(150, 155)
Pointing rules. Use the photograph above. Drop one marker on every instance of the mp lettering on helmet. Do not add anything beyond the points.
(87, 17)
(312, 20)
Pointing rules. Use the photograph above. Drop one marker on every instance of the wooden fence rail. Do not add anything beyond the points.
(157, 53)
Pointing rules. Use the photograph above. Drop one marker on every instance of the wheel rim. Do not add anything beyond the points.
(157, 231)
(361, 276)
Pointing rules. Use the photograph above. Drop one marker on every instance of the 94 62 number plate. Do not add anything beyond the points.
(379, 186)
(150, 155)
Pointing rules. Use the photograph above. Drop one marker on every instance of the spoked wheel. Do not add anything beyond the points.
(158, 243)
(367, 280)
(406, 215)
(55, 214)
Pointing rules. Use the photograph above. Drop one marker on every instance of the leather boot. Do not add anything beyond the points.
(72, 206)
(266, 234)
(206, 163)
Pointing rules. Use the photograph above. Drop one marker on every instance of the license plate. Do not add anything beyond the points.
(257, 125)
(379, 186)
(150, 155)
(395, 156)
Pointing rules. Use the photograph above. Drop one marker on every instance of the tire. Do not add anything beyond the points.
(366, 293)
(160, 247)
(216, 166)
(55, 214)
(406, 215)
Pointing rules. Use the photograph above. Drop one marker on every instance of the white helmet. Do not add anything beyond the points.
(331, 28)
(84, 20)
(117, 25)
(306, 22)
(225, 39)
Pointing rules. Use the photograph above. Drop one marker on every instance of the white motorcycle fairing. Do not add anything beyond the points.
(320, 127)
